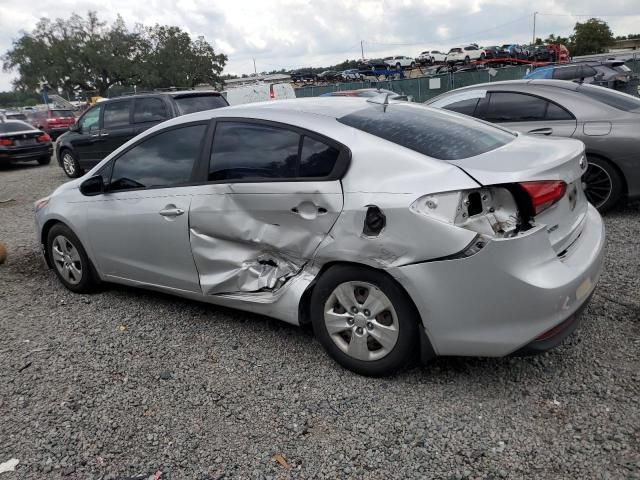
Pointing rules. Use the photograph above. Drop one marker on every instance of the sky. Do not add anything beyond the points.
(300, 33)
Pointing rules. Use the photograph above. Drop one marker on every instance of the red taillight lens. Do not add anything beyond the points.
(544, 194)
(6, 142)
(44, 138)
(272, 94)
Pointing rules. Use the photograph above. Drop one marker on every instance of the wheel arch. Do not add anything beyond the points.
(427, 351)
(46, 228)
(625, 187)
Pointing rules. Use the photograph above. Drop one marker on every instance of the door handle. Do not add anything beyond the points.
(308, 210)
(104, 134)
(171, 211)
(541, 131)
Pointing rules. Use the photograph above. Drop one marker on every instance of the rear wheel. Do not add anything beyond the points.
(413, 65)
(69, 259)
(467, 60)
(398, 66)
(44, 160)
(602, 184)
(70, 164)
(364, 320)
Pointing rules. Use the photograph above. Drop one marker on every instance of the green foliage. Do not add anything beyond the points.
(592, 36)
(19, 98)
(87, 55)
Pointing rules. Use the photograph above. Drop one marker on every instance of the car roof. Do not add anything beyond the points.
(565, 84)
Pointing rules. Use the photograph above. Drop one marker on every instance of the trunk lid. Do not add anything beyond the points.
(528, 159)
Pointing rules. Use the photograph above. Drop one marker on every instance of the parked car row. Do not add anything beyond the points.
(21, 142)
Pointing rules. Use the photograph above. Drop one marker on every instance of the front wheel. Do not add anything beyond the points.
(70, 164)
(364, 320)
(602, 184)
(467, 60)
(482, 56)
(413, 65)
(69, 259)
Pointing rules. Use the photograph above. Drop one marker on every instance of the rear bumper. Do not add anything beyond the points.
(504, 297)
(26, 154)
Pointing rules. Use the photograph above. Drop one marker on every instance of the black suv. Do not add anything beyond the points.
(111, 123)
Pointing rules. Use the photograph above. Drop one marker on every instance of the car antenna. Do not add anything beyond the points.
(384, 103)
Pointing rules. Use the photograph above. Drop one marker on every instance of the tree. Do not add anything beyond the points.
(592, 36)
(85, 55)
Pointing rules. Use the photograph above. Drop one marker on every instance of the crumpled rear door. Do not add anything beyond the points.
(249, 237)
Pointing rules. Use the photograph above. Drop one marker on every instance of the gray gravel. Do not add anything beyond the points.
(126, 382)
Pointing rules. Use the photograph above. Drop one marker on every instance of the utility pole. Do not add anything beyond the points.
(534, 28)
(362, 48)
(254, 67)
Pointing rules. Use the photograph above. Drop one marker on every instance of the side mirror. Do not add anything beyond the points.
(92, 186)
(74, 127)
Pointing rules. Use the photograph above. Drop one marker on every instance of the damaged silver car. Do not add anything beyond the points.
(395, 230)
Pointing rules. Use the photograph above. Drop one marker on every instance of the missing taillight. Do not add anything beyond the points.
(474, 204)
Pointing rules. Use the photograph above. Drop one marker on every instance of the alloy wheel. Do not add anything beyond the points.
(597, 185)
(361, 321)
(69, 164)
(67, 260)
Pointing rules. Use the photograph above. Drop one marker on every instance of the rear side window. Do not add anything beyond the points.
(517, 107)
(163, 160)
(252, 151)
(317, 159)
(613, 98)
(467, 106)
(149, 110)
(429, 131)
(198, 103)
(246, 151)
(116, 114)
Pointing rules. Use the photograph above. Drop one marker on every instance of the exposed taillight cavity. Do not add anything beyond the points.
(5, 142)
(43, 138)
(490, 211)
(272, 94)
(544, 194)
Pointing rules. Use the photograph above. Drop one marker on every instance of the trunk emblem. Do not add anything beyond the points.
(583, 163)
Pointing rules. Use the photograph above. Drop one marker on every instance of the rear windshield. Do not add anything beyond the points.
(428, 131)
(198, 103)
(14, 126)
(613, 98)
(60, 113)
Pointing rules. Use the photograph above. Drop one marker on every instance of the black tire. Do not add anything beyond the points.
(413, 65)
(467, 60)
(482, 56)
(69, 163)
(406, 346)
(603, 184)
(83, 282)
(44, 160)
(398, 66)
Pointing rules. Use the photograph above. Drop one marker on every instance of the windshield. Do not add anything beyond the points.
(613, 98)
(434, 133)
(60, 113)
(198, 103)
(14, 126)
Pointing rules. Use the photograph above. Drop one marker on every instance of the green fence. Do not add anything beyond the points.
(424, 88)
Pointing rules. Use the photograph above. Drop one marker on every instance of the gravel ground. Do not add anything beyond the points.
(126, 382)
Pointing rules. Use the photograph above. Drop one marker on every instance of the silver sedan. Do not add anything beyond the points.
(394, 230)
(607, 121)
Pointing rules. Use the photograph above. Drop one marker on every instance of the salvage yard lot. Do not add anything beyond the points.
(126, 381)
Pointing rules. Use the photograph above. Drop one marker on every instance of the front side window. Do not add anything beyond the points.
(163, 160)
(116, 114)
(90, 120)
(514, 107)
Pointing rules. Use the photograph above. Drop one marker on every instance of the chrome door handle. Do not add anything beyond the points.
(171, 212)
(541, 131)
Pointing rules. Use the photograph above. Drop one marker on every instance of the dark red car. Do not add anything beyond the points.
(54, 122)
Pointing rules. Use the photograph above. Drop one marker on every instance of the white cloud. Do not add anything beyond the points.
(297, 33)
